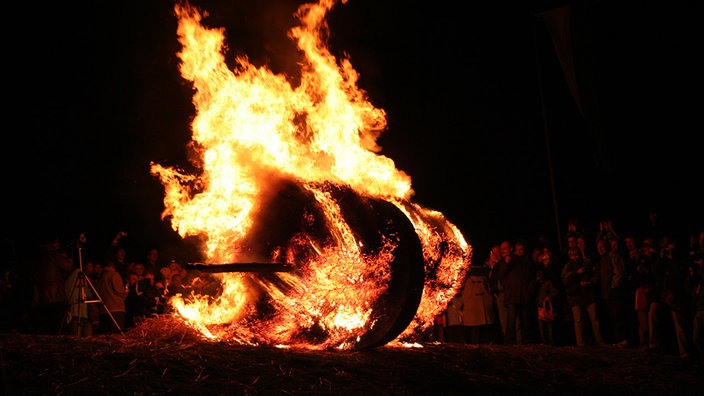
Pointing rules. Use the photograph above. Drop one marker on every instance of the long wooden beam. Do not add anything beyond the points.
(239, 267)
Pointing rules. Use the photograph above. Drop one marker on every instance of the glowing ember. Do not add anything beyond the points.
(290, 174)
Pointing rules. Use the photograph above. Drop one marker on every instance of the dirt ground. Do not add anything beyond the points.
(163, 358)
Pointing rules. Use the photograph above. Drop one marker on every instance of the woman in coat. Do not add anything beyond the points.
(478, 311)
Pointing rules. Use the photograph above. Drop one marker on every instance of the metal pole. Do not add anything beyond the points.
(546, 133)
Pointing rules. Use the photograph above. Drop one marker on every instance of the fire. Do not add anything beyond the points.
(292, 174)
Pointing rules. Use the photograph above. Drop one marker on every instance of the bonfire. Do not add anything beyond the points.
(286, 173)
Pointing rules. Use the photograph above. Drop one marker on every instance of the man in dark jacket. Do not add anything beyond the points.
(515, 274)
(49, 271)
(581, 281)
(673, 300)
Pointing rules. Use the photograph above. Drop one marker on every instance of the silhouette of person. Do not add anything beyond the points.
(50, 269)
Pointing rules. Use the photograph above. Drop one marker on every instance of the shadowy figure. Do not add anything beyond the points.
(49, 270)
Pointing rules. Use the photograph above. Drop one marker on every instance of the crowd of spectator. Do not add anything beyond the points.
(59, 290)
(637, 290)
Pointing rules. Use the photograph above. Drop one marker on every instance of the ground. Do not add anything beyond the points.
(162, 358)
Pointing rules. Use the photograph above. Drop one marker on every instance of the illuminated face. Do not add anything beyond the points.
(175, 268)
(496, 252)
(547, 254)
(613, 243)
(601, 246)
(574, 254)
(506, 249)
(631, 243)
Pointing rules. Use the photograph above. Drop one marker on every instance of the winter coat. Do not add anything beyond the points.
(695, 287)
(478, 303)
(612, 275)
(112, 290)
(674, 293)
(49, 274)
(578, 294)
(517, 279)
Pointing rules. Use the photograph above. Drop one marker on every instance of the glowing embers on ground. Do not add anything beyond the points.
(292, 175)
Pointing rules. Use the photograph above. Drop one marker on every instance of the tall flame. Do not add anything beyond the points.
(252, 131)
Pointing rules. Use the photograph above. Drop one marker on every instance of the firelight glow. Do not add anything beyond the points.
(254, 129)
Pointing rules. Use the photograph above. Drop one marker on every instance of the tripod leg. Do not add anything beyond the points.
(83, 279)
(99, 299)
(72, 304)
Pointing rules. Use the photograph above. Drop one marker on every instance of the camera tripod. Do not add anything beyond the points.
(77, 298)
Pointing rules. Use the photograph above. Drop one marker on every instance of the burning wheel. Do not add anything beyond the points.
(293, 211)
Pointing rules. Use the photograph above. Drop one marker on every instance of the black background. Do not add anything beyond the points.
(473, 92)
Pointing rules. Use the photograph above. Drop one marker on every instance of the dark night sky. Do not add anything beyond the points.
(93, 94)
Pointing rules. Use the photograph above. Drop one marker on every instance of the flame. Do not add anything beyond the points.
(254, 132)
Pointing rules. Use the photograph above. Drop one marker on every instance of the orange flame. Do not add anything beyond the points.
(253, 130)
